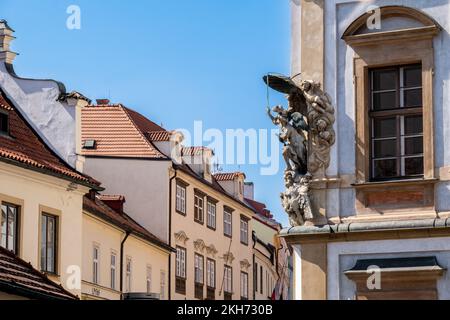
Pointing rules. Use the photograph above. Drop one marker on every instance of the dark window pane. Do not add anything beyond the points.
(3, 123)
(384, 80)
(413, 125)
(412, 76)
(385, 168)
(413, 98)
(385, 148)
(384, 128)
(413, 146)
(413, 166)
(384, 100)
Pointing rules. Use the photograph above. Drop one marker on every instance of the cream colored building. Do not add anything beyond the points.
(174, 195)
(120, 256)
(41, 201)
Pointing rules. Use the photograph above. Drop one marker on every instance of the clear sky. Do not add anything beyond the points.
(173, 61)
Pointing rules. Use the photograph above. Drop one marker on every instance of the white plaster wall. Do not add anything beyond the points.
(52, 119)
(343, 256)
(145, 185)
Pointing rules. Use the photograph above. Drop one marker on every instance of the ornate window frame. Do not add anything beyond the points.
(385, 49)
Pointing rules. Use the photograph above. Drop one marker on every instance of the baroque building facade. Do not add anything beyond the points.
(384, 198)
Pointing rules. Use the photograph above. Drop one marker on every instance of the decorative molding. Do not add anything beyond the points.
(245, 265)
(228, 258)
(181, 237)
(199, 245)
(211, 250)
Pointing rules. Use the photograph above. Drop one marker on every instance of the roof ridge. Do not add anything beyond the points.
(142, 134)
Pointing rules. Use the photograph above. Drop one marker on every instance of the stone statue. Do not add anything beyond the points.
(293, 139)
(307, 134)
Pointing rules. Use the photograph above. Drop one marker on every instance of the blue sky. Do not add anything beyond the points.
(173, 61)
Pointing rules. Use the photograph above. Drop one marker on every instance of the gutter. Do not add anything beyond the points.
(169, 294)
(355, 227)
(122, 244)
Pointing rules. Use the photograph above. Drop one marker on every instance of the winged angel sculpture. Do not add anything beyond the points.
(307, 134)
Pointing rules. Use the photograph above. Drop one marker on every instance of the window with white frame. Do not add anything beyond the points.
(227, 223)
(211, 219)
(198, 207)
(95, 264)
(149, 279)
(198, 268)
(228, 279)
(113, 270)
(162, 283)
(181, 263)
(244, 231)
(128, 270)
(244, 285)
(211, 273)
(9, 227)
(49, 243)
(181, 198)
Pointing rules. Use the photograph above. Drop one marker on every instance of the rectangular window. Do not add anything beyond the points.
(181, 199)
(128, 270)
(113, 270)
(211, 273)
(244, 286)
(180, 271)
(49, 245)
(198, 208)
(396, 118)
(244, 231)
(198, 268)
(255, 275)
(261, 279)
(211, 219)
(4, 123)
(148, 279)
(228, 280)
(95, 263)
(9, 227)
(227, 223)
(162, 285)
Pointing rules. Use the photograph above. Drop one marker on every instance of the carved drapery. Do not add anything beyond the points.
(228, 258)
(181, 237)
(245, 265)
(199, 245)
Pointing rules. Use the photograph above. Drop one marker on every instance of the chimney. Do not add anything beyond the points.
(249, 190)
(6, 36)
(113, 201)
(103, 102)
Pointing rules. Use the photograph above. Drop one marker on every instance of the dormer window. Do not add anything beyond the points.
(4, 123)
(89, 144)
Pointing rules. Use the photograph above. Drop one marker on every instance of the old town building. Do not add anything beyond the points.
(175, 196)
(52, 215)
(384, 231)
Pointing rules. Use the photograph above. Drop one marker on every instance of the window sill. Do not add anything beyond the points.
(181, 213)
(394, 183)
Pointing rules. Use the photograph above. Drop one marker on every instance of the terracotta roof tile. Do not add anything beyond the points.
(158, 136)
(24, 146)
(227, 176)
(16, 274)
(118, 132)
(122, 220)
(194, 151)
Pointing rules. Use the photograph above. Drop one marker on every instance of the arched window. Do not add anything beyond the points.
(393, 71)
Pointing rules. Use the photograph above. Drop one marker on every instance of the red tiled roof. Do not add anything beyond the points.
(194, 151)
(227, 176)
(262, 213)
(122, 220)
(19, 277)
(24, 146)
(158, 136)
(118, 132)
